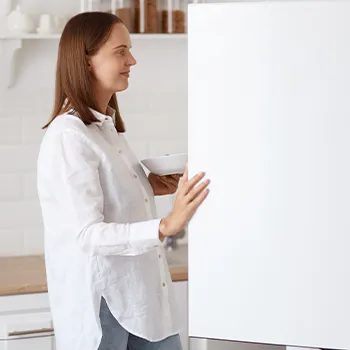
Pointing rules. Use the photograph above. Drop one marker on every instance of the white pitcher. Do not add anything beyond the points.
(19, 22)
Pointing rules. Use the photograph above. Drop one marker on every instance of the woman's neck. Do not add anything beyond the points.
(102, 99)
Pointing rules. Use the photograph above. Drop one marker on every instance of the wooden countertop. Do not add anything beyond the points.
(26, 274)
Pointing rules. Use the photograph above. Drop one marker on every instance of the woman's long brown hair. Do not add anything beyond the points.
(82, 37)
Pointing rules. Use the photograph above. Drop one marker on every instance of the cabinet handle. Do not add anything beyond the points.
(30, 332)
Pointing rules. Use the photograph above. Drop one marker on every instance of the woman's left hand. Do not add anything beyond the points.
(163, 185)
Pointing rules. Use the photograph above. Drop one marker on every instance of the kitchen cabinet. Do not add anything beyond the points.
(276, 91)
(26, 323)
(31, 343)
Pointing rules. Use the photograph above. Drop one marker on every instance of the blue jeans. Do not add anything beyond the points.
(115, 337)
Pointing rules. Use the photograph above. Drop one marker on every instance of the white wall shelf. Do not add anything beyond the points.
(9, 44)
(30, 37)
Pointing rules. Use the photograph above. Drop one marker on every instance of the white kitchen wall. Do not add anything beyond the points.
(154, 109)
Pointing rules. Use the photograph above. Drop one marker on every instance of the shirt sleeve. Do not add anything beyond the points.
(82, 198)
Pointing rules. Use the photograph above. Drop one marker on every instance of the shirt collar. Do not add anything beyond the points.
(104, 117)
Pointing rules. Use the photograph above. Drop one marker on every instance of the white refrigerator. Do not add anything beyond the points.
(269, 122)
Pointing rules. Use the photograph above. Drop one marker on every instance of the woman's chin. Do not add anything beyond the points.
(122, 86)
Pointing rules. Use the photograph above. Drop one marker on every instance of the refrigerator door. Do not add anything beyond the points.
(269, 122)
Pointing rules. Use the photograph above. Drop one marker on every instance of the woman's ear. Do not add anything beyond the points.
(88, 61)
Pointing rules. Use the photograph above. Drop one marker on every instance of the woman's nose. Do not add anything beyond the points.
(132, 60)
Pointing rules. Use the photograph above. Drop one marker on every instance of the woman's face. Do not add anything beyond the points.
(110, 67)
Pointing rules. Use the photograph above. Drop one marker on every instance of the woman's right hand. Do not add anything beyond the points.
(188, 198)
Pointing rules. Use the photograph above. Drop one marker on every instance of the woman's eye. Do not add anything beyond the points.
(122, 53)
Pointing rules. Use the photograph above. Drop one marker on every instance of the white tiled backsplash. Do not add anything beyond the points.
(154, 109)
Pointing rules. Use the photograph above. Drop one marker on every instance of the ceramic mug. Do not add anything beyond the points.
(46, 24)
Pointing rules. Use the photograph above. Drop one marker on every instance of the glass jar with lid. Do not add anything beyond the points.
(173, 16)
(122, 9)
(146, 16)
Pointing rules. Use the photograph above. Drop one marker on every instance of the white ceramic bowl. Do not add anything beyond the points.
(167, 165)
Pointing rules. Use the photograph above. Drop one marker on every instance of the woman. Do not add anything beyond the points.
(108, 280)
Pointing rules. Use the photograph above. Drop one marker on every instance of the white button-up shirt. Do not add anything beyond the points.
(101, 235)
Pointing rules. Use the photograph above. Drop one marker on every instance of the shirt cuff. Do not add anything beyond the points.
(145, 234)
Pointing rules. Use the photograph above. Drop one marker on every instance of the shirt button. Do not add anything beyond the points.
(160, 256)
(164, 284)
(106, 118)
(120, 151)
(135, 176)
(146, 200)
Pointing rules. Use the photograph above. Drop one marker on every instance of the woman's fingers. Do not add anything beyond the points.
(168, 181)
(199, 199)
(190, 195)
(187, 186)
(185, 175)
(197, 190)
(176, 176)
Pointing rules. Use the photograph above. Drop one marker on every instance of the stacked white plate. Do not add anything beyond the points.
(167, 165)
